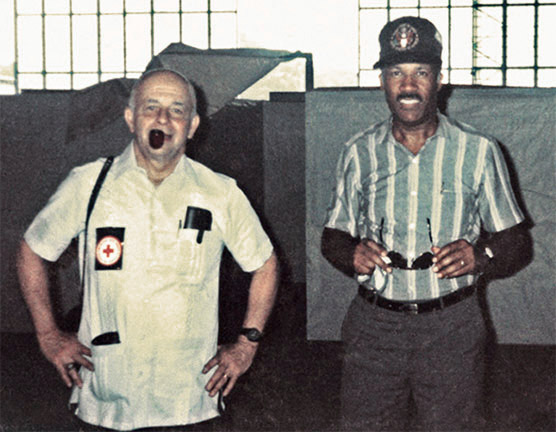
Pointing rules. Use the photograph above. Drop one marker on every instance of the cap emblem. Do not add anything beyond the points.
(404, 38)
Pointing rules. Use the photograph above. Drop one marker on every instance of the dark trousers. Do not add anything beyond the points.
(434, 360)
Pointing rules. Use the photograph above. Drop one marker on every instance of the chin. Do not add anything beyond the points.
(410, 122)
(414, 120)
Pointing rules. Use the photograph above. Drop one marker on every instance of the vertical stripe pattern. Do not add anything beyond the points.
(458, 181)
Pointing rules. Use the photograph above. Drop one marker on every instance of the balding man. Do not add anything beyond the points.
(146, 353)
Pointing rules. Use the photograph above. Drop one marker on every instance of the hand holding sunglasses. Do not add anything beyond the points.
(397, 260)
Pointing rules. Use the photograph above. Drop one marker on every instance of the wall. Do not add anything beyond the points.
(284, 185)
(283, 154)
(523, 120)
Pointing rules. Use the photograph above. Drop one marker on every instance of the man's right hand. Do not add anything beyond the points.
(352, 255)
(62, 350)
(367, 255)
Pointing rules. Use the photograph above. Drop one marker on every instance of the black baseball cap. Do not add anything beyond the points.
(409, 40)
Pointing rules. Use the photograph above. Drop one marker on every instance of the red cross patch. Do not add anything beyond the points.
(109, 249)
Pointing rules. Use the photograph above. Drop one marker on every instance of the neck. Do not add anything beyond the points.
(414, 137)
(157, 171)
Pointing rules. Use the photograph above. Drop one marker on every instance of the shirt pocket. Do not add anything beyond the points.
(457, 202)
(191, 256)
(111, 375)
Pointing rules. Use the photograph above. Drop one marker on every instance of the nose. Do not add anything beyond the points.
(162, 117)
(408, 82)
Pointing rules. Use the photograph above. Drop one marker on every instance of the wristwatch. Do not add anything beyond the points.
(488, 252)
(251, 333)
(485, 258)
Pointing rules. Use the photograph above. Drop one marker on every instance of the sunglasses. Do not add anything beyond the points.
(397, 260)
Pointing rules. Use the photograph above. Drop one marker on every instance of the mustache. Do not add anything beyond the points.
(409, 96)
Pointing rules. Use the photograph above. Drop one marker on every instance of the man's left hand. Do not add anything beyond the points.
(232, 360)
(454, 259)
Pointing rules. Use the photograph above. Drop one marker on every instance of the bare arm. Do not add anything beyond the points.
(233, 360)
(58, 347)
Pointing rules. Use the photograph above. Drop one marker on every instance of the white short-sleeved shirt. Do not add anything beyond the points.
(152, 278)
(455, 185)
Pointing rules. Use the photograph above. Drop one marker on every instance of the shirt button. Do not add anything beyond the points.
(413, 193)
(411, 226)
(414, 160)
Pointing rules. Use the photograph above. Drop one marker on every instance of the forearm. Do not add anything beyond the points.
(338, 248)
(512, 250)
(262, 294)
(61, 349)
(233, 360)
(33, 279)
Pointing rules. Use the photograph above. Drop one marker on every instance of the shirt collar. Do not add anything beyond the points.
(127, 161)
(441, 131)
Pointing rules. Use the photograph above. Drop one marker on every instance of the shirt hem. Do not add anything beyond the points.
(152, 424)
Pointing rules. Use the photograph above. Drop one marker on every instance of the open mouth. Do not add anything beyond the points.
(156, 138)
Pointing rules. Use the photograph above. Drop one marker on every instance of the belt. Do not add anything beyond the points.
(419, 307)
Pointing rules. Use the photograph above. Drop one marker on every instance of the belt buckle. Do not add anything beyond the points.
(410, 308)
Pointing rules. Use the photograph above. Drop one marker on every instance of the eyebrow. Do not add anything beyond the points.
(182, 104)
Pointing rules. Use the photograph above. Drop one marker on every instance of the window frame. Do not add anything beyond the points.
(476, 7)
(210, 12)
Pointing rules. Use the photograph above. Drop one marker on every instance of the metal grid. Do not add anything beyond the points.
(484, 55)
(46, 14)
(503, 47)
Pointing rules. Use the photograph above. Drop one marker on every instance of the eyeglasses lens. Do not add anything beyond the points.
(423, 262)
(397, 260)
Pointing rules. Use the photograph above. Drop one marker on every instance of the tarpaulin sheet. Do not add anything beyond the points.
(219, 75)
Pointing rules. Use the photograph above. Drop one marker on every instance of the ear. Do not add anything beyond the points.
(439, 82)
(381, 78)
(195, 122)
(128, 116)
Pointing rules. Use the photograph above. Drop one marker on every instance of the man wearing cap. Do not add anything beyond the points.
(146, 353)
(412, 195)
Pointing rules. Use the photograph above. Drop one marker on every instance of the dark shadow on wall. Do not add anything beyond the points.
(492, 348)
(231, 142)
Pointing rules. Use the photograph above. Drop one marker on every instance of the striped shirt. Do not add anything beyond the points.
(458, 181)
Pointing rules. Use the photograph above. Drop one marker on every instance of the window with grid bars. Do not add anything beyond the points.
(72, 44)
(486, 42)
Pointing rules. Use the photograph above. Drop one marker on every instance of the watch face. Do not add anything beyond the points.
(252, 334)
(489, 253)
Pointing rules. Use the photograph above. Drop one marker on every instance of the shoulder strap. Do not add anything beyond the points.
(92, 200)
(96, 188)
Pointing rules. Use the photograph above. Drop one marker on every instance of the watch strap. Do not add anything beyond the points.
(251, 333)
